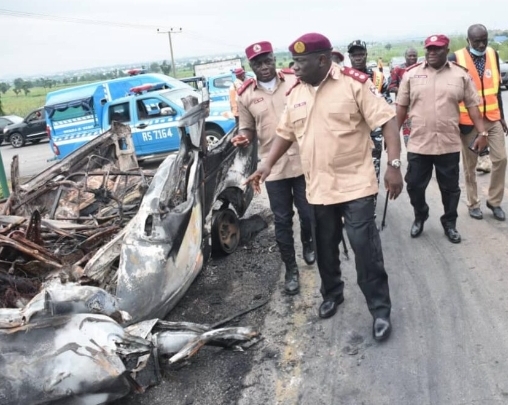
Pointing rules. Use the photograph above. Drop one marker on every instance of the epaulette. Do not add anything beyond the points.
(413, 66)
(244, 86)
(288, 71)
(460, 66)
(292, 87)
(355, 74)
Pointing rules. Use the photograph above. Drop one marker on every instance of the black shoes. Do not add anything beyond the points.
(291, 282)
(452, 235)
(417, 227)
(381, 329)
(308, 252)
(497, 211)
(475, 213)
(329, 307)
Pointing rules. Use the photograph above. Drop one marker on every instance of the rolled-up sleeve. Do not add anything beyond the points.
(403, 97)
(246, 119)
(374, 108)
(285, 127)
(471, 97)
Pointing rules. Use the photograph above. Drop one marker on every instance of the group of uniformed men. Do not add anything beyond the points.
(315, 124)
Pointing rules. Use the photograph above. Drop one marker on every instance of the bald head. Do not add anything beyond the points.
(476, 29)
(478, 38)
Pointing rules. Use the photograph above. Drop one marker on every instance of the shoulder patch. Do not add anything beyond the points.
(355, 74)
(245, 85)
(460, 66)
(292, 87)
(413, 66)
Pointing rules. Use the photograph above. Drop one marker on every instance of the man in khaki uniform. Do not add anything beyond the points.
(240, 78)
(433, 90)
(330, 113)
(261, 102)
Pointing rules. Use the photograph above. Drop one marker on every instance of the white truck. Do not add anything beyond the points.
(217, 68)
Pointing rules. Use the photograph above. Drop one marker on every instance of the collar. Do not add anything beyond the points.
(278, 78)
(426, 65)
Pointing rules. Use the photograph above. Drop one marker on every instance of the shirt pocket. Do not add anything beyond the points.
(298, 117)
(341, 116)
(257, 108)
(455, 86)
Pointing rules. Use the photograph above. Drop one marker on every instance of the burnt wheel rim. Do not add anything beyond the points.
(228, 231)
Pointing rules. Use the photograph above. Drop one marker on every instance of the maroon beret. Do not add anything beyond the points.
(238, 71)
(437, 40)
(258, 49)
(310, 43)
(335, 51)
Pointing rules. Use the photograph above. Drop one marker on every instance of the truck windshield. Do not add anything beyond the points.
(175, 96)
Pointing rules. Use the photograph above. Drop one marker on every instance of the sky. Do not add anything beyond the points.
(65, 35)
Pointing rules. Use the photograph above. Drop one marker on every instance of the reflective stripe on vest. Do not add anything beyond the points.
(488, 85)
(378, 79)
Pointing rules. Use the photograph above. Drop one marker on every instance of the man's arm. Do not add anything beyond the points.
(499, 95)
(403, 100)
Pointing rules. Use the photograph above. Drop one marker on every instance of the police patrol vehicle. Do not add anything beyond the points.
(150, 104)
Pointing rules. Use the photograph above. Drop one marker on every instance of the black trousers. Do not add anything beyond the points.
(419, 173)
(282, 195)
(364, 239)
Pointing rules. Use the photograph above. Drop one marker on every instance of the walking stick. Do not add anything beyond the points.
(383, 222)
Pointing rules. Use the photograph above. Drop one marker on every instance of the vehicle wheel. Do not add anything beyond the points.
(17, 140)
(35, 141)
(212, 137)
(225, 231)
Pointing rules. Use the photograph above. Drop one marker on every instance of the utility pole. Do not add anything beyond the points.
(171, 31)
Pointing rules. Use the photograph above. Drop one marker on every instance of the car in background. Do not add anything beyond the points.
(396, 61)
(372, 64)
(31, 129)
(8, 120)
(503, 67)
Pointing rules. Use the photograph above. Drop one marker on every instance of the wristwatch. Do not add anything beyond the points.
(395, 163)
(484, 133)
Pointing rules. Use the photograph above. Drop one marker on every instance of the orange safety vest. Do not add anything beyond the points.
(378, 79)
(488, 85)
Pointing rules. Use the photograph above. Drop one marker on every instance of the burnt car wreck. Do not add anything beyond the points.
(95, 251)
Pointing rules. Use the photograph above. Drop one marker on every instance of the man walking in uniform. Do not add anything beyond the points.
(240, 78)
(482, 63)
(261, 102)
(330, 113)
(433, 90)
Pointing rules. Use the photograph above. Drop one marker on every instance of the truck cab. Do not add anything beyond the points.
(77, 115)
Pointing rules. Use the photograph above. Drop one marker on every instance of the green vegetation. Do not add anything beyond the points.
(23, 96)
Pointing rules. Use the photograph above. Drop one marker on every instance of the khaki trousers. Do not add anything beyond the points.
(498, 158)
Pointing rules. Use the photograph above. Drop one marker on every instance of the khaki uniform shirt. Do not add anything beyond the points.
(260, 111)
(433, 97)
(233, 96)
(332, 126)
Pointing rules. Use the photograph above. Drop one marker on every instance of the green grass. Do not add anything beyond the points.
(21, 105)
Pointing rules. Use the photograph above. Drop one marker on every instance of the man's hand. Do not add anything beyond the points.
(505, 128)
(393, 182)
(240, 141)
(480, 144)
(258, 177)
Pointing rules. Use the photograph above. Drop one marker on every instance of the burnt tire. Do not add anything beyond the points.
(17, 140)
(225, 231)
(212, 137)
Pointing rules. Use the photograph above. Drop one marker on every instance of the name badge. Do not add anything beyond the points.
(300, 104)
